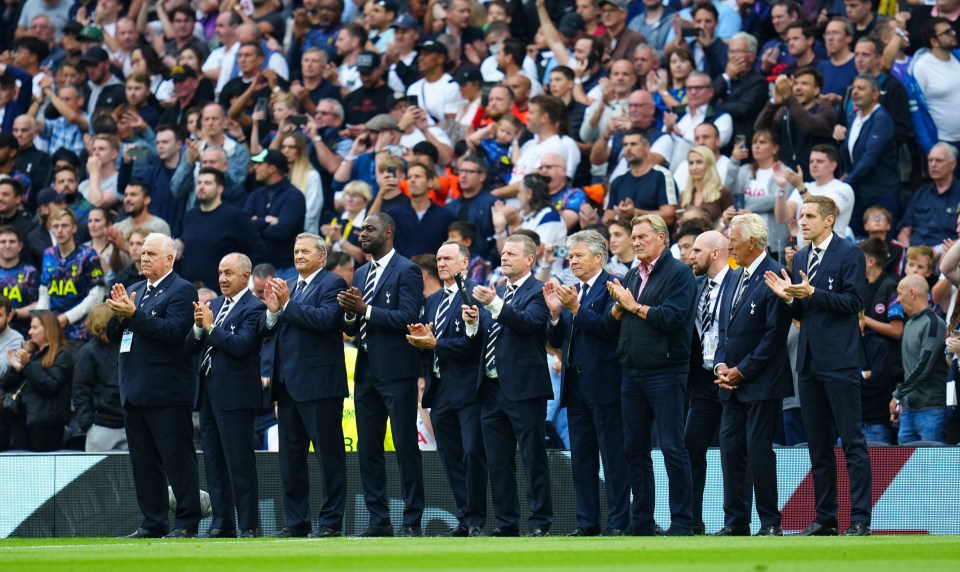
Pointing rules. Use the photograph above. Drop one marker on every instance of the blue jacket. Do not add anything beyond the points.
(21, 104)
(479, 213)
(285, 202)
(923, 126)
(457, 358)
(872, 169)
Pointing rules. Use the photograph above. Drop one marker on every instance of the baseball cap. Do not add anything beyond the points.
(49, 195)
(180, 73)
(382, 122)
(620, 4)
(571, 24)
(468, 74)
(388, 5)
(272, 157)
(434, 47)
(91, 34)
(72, 28)
(407, 21)
(367, 62)
(95, 55)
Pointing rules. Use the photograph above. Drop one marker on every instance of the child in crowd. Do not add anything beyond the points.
(876, 222)
(496, 143)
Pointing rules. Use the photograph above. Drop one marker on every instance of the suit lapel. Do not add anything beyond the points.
(825, 258)
(749, 287)
(385, 272)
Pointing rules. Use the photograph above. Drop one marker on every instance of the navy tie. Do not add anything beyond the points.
(367, 299)
(490, 354)
(208, 355)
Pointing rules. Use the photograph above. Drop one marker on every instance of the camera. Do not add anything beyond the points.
(560, 251)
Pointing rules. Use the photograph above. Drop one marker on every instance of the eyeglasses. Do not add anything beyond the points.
(698, 87)
(947, 32)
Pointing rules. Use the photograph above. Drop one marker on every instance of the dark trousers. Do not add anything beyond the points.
(746, 440)
(830, 405)
(703, 421)
(228, 455)
(40, 438)
(459, 434)
(160, 440)
(647, 398)
(300, 422)
(375, 402)
(507, 424)
(596, 430)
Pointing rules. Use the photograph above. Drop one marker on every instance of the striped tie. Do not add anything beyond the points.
(489, 356)
(298, 291)
(208, 355)
(705, 312)
(744, 279)
(442, 313)
(814, 264)
(367, 299)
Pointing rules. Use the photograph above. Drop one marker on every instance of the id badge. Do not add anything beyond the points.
(126, 341)
(710, 347)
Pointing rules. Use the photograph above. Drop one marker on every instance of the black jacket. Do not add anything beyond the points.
(46, 392)
(96, 390)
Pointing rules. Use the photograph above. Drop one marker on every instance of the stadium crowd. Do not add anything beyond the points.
(519, 225)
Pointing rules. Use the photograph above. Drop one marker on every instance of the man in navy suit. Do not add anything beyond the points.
(825, 292)
(158, 389)
(225, 335)
(309, 382)
(450, 364)
(514, 387)
(656, 308)
(753, 373)
(384, 299)
(591, 385)
(708, 259)
(870, 153)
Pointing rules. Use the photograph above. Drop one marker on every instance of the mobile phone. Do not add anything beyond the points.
(137, 152)
(739, 140)
(739, 201)
(485, 93)
(413, 100)
(689, 32)
(560, 251)
(263, 104)
(392, 171)
(299, 120)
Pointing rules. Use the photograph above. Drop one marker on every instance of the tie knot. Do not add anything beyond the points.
(374, 265)
(818, 250)
(511, 288)
(746, 273)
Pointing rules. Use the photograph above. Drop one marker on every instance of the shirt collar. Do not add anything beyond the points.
(236, 297)
(593, 280)
(310, 278)
(382, 263)
(718, 279)
(823, 245)
(752, 269)
(158, 282)
(520, 282)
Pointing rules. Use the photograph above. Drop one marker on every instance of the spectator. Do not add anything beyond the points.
(218, 66)
(144, 60)
(740, 91)
(350, 42)
(823, 168)
(137, 91)
(495, 143)
(101, 186)
(314, 85)
(104, 89)
(305, 178)
(379, 17)
(544, 121)
(641, 114)
(379, 134)
(933, 84)
(681, 129)
(797, 116)
(250, 87)
(277, 210)
(28, 54)
(41, 372)
(109, 255)
(185, 91)
(15, 102)
(158, 172)
(181, 22)
(918, 402)
(329, 146)
(869, 152)
(538, 215)
(342, 233)
(775, 51)
(458, 26)
(757, 183)
(436, 92)
(861, 16)
(474, 205)
(372, 96)
(11, 208)
(317, 28)
(401, 56)
(565, 198)
(465, 233)
(622, 256)
(31, 161)
(709, 51)
(391, 171)
(932, 211)
(416, 130)
(131, 274)
(613, 102)
(705, 188)
(646, 188)
(877, 223)
(619, 41)
(839, 68)
(20, 283)
(137, 202)
(56, 10)
(96, 391)
(653, 24)
(67, 130)
(215, 229)
(707, 135)
(868, 53)
(10, 339)
(421, 223)
(800, 43)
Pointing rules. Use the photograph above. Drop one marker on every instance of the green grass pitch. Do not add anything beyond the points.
(874, 554)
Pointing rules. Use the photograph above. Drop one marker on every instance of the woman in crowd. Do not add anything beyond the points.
(304, 177)
(704, 187)
(41, 371)
(758, 186)
(189, 58)
(343, 232)
(97, 222)
(132, 274)
(144, 60)
(669, 86)
(96, 392)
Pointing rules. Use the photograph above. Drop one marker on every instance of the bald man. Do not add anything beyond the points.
(708, 259)
(919, 399)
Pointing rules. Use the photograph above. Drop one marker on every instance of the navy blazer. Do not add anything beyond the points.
(872, 168)
(753, 336)
(311, 360)
(21, 104)
(457, 357)
(696, 348)
(158, 371)
(522, 343)
(396, 303)
(594, 344)
(479, 213)
(830, 325)
(235, 360)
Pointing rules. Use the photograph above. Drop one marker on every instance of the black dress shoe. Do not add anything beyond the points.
(410, 531)
(459, 531)
(538, 532)
(144, 533)
(678, 531)
(287, 532)
(324, 532)
(251, 533)
(588, 531)
(699, 529)
(732, 531)
(377, 531)
(181, 533)
(505, 531)
(769, 531)
(476, 532)
(220, 533)
(634, 530)
(817, 529)
(658, 530)
(858, 529)
(614, 532)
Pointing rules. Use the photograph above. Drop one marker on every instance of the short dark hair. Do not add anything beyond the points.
(217, 175)
(803, 27)
(515, 49)
(565, 71)
(815, 74)
(550, 106)
(15, 184)
(357, 31)
(145, 186)
(6, 304)
(709, 8)
(930, 30)
(336, 260)
(183, 10)
(476, 160)
(10, 229)
(827, 150)
(36, 47)
(255, 45)
(634, 131)
(176, 129)
(791, 6)
(427, 263)
(876, 248)
(466, 229)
